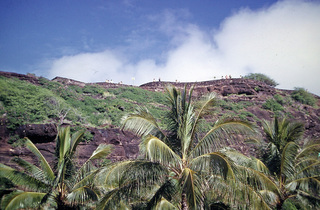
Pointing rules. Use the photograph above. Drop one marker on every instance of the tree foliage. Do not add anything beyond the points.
(60, 186)
(295, 170)
(262, 78)
(182, 162)
(303, 96)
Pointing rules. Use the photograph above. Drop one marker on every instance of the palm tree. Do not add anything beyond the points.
(299, 175)
(62, 186)
(298, 178)
(295, 170)
(278, 134)
(181, 159)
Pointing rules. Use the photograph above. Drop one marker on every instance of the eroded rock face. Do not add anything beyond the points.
(38, 133)
(222, 87)
(125, 144)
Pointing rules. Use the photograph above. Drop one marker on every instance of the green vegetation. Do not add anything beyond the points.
(233, 106)
(179, 161)
(272, 105)
(92, 105)
(262, 78)
(62, 186)
(296, 170)
(185, 160)
(303, 96)
(279, 99)
(24, 102)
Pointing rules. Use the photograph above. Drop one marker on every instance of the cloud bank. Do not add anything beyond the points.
(281, 41)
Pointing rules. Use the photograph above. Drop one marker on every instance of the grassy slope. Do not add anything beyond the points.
(94, 106)
(23, 102)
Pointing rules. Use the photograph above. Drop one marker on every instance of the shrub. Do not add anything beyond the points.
(279, 99)
(262, 78)
(303, 96)
(15, 141)
(23, 102)
(272, 105)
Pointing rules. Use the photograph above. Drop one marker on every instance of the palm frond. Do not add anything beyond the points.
(250, 162)
(141, 122)
(223, 132)
(113, 199)
(203, 106)
(310, 185)
(295, 131)
(282, 131)
(238, 195)
(22, 179)
(191, 187)
(272, 158)
(63, 142)
(287, 159)
(184, 131)
(165, 204)
(82, 195)
(108, 200)
(43, 162)
(86, 179)
(214, 163)
(109, 176)
(309, 150)
(268, 130)
(21, 200)
(75, 140)
(256, 179)
(309, 201)
(307, 168)
(102, 151)
(144, 173)
(166, 191)
(157, 151)
(32, 170)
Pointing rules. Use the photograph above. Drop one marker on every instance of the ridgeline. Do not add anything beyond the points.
(33, 106)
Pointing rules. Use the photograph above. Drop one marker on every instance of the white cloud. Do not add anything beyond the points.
(88, 67)
(282, 41)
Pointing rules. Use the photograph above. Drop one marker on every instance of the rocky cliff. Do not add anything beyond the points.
(232, 92)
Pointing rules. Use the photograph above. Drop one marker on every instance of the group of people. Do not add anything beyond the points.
(110, 81)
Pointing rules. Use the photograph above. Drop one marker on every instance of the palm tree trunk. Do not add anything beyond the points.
(184, 205)
(279, 204)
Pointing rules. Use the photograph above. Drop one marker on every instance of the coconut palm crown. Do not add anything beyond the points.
(295, 169)
(189, 155)
(62, 186)
(278, 133)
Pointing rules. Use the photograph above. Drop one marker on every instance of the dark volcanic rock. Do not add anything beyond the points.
(38, 133)
(223, 87)
(125, 144)
(29, 77)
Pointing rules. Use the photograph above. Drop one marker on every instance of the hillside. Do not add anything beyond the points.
(32, 106)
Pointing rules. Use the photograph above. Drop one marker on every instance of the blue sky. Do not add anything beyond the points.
(184, 40)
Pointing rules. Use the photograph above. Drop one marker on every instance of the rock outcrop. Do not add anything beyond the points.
(126, 144)
(223, 87)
